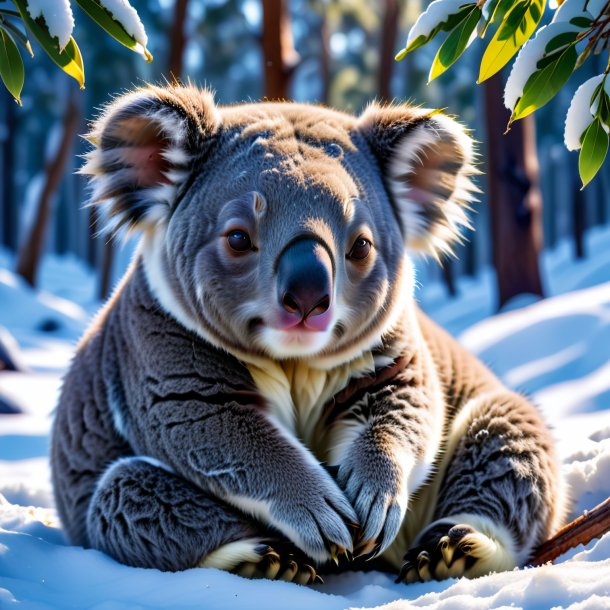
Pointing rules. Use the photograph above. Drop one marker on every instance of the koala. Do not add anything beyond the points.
(261, 393)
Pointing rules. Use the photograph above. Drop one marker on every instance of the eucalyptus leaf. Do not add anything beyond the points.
(559, 41)
(11, 65)
(544, 84)
(110, 25)
(580, 21)
(512, 20)
(18, 34)
(69, 59)
(455, 44)
(515, 30)
(449, 24)
(593, 151)
(603, 110)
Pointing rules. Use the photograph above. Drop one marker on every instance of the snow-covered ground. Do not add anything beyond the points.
(557, 350)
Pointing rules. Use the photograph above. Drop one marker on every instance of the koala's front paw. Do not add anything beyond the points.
(378, 502)
(451, 551)
(317, 518)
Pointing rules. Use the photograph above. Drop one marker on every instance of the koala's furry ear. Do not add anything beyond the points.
(146, 142)
(427, 161)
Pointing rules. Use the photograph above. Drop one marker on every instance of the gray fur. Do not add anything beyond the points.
(191, 421)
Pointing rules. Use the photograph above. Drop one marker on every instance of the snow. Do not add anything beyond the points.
(57, 15)
(436, 13)
(576, 8)
(580, 114)
(527, 59)
(557, 350)
(128, 17)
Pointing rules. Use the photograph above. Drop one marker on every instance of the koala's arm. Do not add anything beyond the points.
(231, 449)
(385, 445)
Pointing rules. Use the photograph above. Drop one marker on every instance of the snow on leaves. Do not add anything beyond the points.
(588, 124)
(57, 15)
(543, 65)
(51, 23)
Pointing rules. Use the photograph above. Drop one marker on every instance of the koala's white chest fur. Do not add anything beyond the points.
(297, 392)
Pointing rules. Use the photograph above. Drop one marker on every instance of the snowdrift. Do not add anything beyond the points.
(556, 350)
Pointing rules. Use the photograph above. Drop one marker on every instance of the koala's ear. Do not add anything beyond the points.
(145, 145)
(427, 161)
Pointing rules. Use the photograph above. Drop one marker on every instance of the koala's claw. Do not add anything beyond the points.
(375, 500)
(287, 565)
(447, 552)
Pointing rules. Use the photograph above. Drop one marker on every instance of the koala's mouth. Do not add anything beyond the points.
(285, 337)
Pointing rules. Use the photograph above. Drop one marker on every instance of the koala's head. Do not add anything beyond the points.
(278, 229)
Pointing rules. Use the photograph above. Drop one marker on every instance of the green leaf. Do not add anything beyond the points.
(69, 59)
(106, 21)
(499, 9)
(451, 22)
(603, 109)
(544, 84)
(583, 56)
(518, 25)
(9, 13)
(513, 21)
(581, 21)
(11, 65)
(455, 44)
(593, 151)
(18, 34)
(561, 40)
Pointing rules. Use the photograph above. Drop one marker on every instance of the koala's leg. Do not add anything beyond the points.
(146, 516)
(500, 495)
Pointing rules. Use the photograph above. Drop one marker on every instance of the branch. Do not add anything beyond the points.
(592, 524)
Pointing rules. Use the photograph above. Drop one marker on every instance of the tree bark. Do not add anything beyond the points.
(515, 198)
(593, 524)
(279, 55)
(33, 245)
(7, 194)
(579, 220)
(177, 39)
(388, 42)
(325, 58)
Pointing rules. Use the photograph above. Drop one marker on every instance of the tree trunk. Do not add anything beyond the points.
(279, 55)
(33, 244)
(579, 220)
(515, 198)
(324, 58)
(388, 42)
(177, 39)
(7, 194)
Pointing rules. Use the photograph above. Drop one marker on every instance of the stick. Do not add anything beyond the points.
(592, 524)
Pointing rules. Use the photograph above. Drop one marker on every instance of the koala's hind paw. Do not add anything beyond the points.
(258, 558)
(451, 551)
(276, 563)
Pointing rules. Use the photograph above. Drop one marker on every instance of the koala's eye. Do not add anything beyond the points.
(360, 250)
(239, 240)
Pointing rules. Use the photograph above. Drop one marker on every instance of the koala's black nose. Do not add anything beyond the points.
(305, 279)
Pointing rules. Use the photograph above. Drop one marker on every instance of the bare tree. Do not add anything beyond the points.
(178, 39)
(325, 57)
(279, 55)
(7, 159)
(515, 198)
(388, 42)
(33, 244)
